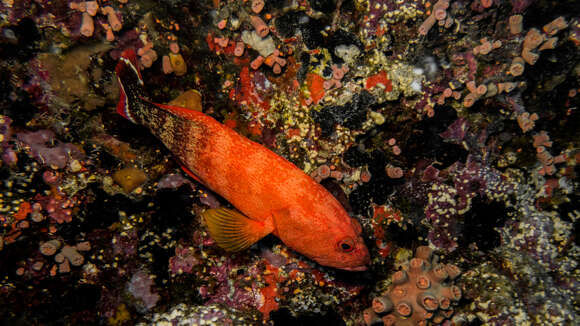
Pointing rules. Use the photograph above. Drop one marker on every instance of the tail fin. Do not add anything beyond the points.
(131, 84)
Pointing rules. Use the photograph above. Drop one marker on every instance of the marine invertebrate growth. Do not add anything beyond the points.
(421, 293)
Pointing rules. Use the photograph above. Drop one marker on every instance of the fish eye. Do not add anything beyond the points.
(346, 245)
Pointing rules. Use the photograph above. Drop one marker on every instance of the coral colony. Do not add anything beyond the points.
(448, 130)
(419, 293)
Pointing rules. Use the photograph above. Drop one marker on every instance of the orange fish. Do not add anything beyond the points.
(271, 195)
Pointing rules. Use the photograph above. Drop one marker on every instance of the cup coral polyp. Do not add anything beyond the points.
(421, 293)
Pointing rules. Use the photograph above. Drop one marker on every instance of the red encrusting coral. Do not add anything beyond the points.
(380, 78)
(315, 84)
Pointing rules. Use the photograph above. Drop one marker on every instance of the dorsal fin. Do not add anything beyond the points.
(130, 84)
(184, 113)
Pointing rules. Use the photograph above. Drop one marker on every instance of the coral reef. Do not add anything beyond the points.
(442, 124)
(497, 302)
(183, 314)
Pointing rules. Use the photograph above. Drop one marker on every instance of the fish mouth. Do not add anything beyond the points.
(355, 268)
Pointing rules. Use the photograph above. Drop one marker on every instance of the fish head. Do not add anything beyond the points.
(342, 246)
(329, 237)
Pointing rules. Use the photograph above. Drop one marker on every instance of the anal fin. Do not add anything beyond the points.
(191, 174)
(234, 231)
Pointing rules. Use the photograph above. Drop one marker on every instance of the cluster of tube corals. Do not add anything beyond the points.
(541, 142)
(67, 256)
(438, 14)
(90, 9)
(232, 38)
(422, 293)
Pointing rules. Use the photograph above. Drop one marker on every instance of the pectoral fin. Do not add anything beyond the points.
(234, 231)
